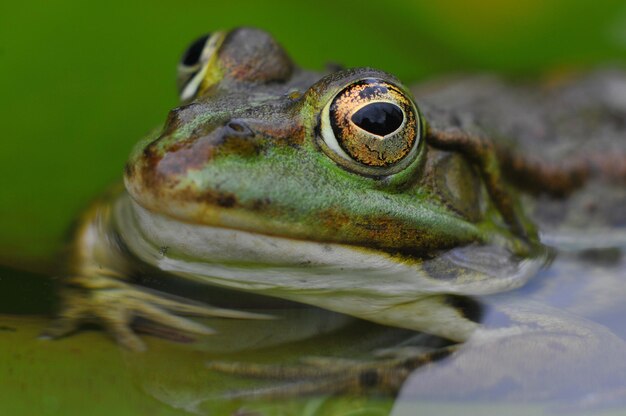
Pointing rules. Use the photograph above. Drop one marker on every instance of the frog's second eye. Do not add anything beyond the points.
(191, 57)
(193, 64)
(371, 122)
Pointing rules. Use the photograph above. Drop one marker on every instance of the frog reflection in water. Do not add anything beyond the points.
(325, 189)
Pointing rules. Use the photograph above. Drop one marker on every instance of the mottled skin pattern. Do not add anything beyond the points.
(192, 168)
(187, 171)
(248, 152)
(570, 131)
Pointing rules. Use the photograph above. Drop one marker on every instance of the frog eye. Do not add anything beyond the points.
(193, 64)
(191, 57)
(373, 123)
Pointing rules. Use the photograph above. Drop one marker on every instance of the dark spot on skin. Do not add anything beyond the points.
(210, 197)
(260, 204)
(128, 170)
(148, 151)
(369, 378)
(150, 160)
(226, 201)
(468, 308)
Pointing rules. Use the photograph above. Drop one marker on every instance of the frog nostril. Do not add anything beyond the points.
(235, 126)
(239, 128)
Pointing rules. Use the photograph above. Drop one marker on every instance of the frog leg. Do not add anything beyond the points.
(324, 375)
(538, 176)
(481, 152)
(97, 290)
(561, 179)
(115, 305)
(530, 173)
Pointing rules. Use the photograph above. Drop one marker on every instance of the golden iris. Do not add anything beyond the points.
(374, 122)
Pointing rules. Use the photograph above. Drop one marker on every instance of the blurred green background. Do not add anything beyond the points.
(82, 81)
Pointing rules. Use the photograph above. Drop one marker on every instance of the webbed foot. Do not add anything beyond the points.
(115, 305)
(326, 375)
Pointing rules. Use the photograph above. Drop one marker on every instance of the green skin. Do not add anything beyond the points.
(245, 153)
(198, 170)
(200, 174)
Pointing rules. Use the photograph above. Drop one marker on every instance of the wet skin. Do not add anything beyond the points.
(325, 189)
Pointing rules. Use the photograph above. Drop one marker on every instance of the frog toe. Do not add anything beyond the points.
(163, 317)
(59, 328)
(119, 328)
(69, 319)
(189, 307)
(117, 306)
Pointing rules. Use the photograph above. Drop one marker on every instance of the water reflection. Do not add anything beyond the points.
(558, 341)
(556, 345)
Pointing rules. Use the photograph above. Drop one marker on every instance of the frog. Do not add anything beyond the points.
(329, 189)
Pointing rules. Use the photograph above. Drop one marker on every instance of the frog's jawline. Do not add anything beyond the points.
(214, 255)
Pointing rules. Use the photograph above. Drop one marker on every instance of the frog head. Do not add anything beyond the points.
(263, 146)
(328, 189)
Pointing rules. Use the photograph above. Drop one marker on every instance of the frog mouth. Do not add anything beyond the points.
(364, 283)
(206, 250)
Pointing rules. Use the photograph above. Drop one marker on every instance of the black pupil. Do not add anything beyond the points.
(193, 52)
(379, 118)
